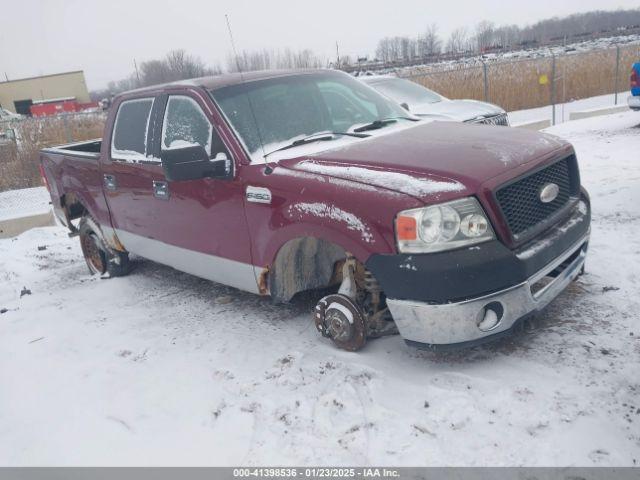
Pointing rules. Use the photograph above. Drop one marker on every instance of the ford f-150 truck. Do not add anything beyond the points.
(634, 99)
(288, 181)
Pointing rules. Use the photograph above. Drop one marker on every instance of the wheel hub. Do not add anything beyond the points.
(337, 325)
(340, 319)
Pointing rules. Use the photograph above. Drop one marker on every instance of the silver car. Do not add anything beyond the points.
(423, 102)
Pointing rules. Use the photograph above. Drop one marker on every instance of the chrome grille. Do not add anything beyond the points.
(501, 120)
(520, 201)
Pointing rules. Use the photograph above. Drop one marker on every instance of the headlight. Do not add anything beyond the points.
(459, 223)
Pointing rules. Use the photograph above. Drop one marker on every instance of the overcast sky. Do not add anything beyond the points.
(102, 37)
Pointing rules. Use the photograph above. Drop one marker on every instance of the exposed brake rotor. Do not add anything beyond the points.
(340, 319)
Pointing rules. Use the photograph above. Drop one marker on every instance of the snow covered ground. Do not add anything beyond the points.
(25, 202)
(162, 368)
(563, 110)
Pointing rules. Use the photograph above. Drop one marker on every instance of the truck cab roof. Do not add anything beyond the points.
(214, 82)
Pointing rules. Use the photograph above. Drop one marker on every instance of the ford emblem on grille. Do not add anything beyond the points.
(549, 192)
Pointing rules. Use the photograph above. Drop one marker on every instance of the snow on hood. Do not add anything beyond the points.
(456, 110)
(431, 159)
(397, 181)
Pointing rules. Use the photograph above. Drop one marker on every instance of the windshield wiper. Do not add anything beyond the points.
(316, 137)
(383, 122)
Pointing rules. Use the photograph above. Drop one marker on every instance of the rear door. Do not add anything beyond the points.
(129, 170)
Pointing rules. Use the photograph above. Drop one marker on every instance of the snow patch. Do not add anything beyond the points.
(24, 203)
(402, 182)
(322, 210)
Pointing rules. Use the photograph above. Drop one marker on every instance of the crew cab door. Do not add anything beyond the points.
(129, 169)
(197, 226)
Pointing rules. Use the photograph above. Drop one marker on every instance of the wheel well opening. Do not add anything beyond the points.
(304, 264)
(72, 206)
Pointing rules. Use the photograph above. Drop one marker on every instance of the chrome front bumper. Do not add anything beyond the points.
(458, 323)
(634, 102)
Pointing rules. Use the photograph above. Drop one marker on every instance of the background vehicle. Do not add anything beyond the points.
(423, 102)
(634, 99)
(6, 115)
(283, 182)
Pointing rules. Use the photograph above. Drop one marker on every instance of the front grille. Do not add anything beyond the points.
(500, 120)
(520, 201)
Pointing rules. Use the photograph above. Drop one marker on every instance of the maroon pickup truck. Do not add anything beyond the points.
(282, 182)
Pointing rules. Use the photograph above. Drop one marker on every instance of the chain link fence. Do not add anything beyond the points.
(529, 83)
(22, 140)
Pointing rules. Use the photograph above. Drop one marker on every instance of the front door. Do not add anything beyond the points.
(197, 226)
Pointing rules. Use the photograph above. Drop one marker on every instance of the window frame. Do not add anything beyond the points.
(143, 156)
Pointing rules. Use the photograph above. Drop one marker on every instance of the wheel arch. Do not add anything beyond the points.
(305, 263)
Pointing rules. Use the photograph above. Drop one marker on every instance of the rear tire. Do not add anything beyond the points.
(100, 259)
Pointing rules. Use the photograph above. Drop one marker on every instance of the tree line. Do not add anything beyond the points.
(486, 36)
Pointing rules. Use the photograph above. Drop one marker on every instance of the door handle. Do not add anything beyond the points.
(161, 190)
(110, 182)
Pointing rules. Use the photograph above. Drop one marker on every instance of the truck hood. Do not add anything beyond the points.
(456, 110)
(433, 160)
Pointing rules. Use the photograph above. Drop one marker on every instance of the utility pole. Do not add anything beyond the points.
(553, 89)
(485, 82)
(337, 56)
(617, 70)
(137, 73)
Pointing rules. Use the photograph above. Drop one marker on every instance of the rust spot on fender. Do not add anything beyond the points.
(115, 243)
(263, 281)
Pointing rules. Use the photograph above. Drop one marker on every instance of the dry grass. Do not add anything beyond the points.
(19, 161)
(515, 85)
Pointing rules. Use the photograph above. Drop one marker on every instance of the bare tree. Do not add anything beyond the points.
(395, 49)
(429, 42)
(176, 65)
(458, 41)
(270, 59)
(484, 35)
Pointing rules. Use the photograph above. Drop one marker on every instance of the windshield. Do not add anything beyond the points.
(269, 114)
(405, 91)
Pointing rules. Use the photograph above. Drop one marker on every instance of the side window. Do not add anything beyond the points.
(185, 124)
(129, 142)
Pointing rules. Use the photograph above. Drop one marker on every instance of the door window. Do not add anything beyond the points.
(185, 125)
(130, 131)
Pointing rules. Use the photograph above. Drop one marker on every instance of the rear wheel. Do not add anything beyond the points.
(94, 256)
(100, 259)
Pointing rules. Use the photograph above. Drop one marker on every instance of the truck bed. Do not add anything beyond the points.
(75, 180)
(89, 149)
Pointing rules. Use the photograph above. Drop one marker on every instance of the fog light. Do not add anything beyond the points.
(490, 316)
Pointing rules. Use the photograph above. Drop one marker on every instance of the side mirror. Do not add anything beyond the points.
(192, 163)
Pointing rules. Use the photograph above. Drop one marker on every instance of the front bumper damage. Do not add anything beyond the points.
(476, 296)
(459, 324)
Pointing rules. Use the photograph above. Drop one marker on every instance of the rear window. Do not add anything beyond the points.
(130, 131)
